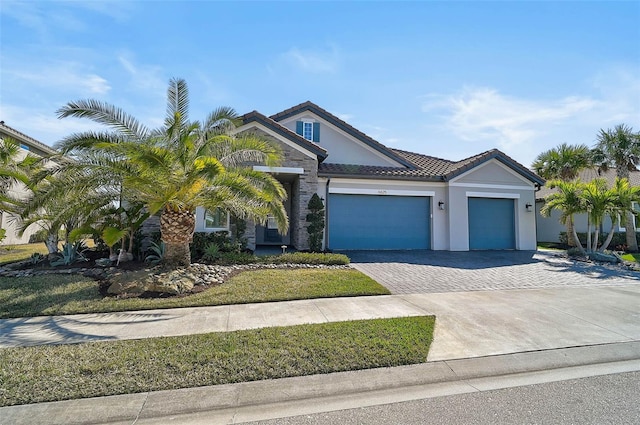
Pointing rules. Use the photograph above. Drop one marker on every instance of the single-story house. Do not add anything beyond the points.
(27, 145)
(549, 228)
(377, 197)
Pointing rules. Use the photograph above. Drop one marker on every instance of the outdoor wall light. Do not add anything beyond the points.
(529, 207)
(441, 205)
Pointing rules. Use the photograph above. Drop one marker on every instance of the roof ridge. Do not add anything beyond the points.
(37, 143)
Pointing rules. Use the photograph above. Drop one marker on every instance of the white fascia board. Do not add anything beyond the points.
(492, 186)
(383, 192)
(345, 134)
(453, 181)
(278, 170)
(277, 137)
(342, 180)
(492, 195)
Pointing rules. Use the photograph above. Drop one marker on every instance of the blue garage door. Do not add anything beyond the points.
(378, 222)
(491, 223)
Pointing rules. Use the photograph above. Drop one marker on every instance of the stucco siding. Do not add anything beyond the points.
(493, 173)
(342, 148)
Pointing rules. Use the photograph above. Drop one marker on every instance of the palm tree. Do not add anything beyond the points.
(598, 201)
(620, 148)
(568, 200)
(177, 167)
(563, 162)
(13, 170)
(623, 196)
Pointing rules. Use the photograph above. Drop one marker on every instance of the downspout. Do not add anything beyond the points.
(326, 215)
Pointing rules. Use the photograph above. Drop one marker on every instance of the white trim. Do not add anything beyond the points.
(365, 181)
(277, 137)
(493, 195)
(383, 192)
(343, 133)
(484, 164)
(491, 186)
(278, 170)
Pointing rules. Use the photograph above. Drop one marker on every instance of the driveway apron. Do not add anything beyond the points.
(422, 271)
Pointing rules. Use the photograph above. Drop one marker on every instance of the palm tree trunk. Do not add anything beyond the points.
(52, 243)
(176, 230)
(632, 242)
(607, 241)
(570, 232)
(589, 249)
(177, 254)
(575, 236)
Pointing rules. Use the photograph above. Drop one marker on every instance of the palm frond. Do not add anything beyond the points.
(105, 114)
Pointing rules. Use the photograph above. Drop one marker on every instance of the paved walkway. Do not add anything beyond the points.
(411, 272)
(469, 324)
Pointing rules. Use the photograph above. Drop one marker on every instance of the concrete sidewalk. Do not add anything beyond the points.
(469, 324)
(482, 339)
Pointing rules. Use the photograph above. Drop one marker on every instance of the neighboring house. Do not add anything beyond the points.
(27, 145)
(549, 228)
(377, 197)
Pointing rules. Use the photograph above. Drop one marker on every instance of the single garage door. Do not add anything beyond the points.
(491, 223)
(379, 222)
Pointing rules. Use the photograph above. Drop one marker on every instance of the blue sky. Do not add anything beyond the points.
(448, 79)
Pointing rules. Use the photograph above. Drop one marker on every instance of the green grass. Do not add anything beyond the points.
(70, 294)
(13, 253)
(60, 372)
(634, 258)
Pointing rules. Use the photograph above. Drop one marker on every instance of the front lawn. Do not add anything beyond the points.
(70, 294)
(60, 372)
(634, 258)
(13, 253)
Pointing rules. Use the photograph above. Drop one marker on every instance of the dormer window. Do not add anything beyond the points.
(309, 130)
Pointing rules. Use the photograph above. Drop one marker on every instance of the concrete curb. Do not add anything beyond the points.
(221, 403)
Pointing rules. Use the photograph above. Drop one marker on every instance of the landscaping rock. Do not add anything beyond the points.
(603, 258)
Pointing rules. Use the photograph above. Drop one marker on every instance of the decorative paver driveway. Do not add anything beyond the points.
(410, 272)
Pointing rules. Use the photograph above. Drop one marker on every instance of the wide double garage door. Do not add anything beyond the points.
(491, 223)
(379, 222)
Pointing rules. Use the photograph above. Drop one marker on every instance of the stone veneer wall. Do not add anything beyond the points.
(302, 189)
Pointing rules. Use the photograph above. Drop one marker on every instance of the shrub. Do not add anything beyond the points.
(3, 233)
(307, 258)
(201, 240)
(231, 258)
(316, 223)
(619, 239)
(71, 253)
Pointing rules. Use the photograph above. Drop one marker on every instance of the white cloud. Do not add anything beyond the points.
(143, 77)
(314, 61)
(484, 113)
(63, 76)
(475, 119)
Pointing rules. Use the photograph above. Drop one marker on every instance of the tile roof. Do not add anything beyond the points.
(426, 168)
(39, 147)
(592, 173)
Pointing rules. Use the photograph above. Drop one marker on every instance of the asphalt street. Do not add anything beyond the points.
(607, 399)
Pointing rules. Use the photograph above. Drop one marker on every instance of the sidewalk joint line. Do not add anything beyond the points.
(141, 408)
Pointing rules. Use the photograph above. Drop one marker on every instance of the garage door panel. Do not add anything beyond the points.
(378, 222)
(491, 223)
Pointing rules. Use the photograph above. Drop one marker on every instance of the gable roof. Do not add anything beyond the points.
(592, 173)
(428, 168)
(35, 146)
(257, 117)
(342, 125)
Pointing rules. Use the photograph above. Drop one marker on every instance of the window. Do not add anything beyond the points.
(307, 130)
(216, 219)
